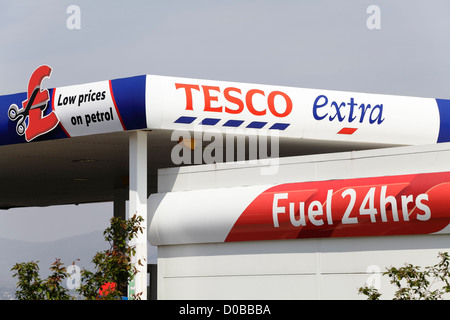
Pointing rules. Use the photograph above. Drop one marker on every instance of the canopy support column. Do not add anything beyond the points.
(138, 206)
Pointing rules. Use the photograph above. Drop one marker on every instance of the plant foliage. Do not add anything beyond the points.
(415, 283)
(113, 268)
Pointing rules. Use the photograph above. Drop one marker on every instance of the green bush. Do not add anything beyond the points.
(31, 287)
(111, 266)
(413, 283)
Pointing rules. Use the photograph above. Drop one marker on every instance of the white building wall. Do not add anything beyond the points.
(325, 268)
(290, 269)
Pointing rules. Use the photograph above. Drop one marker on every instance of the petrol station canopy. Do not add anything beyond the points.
(70, 144)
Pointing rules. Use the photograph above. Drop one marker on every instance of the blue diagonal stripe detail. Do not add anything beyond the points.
(279, 126)
(257, 124)
(185, 120)
(209, 121)
(444, 124)
(233, 123)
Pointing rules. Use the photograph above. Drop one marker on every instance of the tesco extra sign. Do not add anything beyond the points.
(231, 99)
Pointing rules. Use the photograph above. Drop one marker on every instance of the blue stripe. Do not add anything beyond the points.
(185, 120)
(257, 124)
(279, 126)
(129, 94)
(444, 123)
(233, 123)
(209, 121)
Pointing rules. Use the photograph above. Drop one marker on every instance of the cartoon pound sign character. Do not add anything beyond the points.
(34, 108)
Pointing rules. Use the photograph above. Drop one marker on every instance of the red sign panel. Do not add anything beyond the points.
(393, 205)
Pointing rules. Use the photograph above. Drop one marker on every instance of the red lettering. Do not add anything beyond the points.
(234, 100)
(249, 102)
(208, 99)
(271, 103)
(188, 88)
(239, 103)
(37, 123)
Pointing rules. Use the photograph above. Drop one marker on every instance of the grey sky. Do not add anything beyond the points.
(312, 44)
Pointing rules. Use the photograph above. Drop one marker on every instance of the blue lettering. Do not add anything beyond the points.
(352, 105)
(316, 106)
(379, 118)
(363, 111)
(338, 111)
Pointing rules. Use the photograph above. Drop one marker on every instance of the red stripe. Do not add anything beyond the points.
(257, 221)
(115, 105)
(59, 121)
(347, 131)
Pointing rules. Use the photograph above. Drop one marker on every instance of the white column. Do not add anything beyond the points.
(138, 206)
